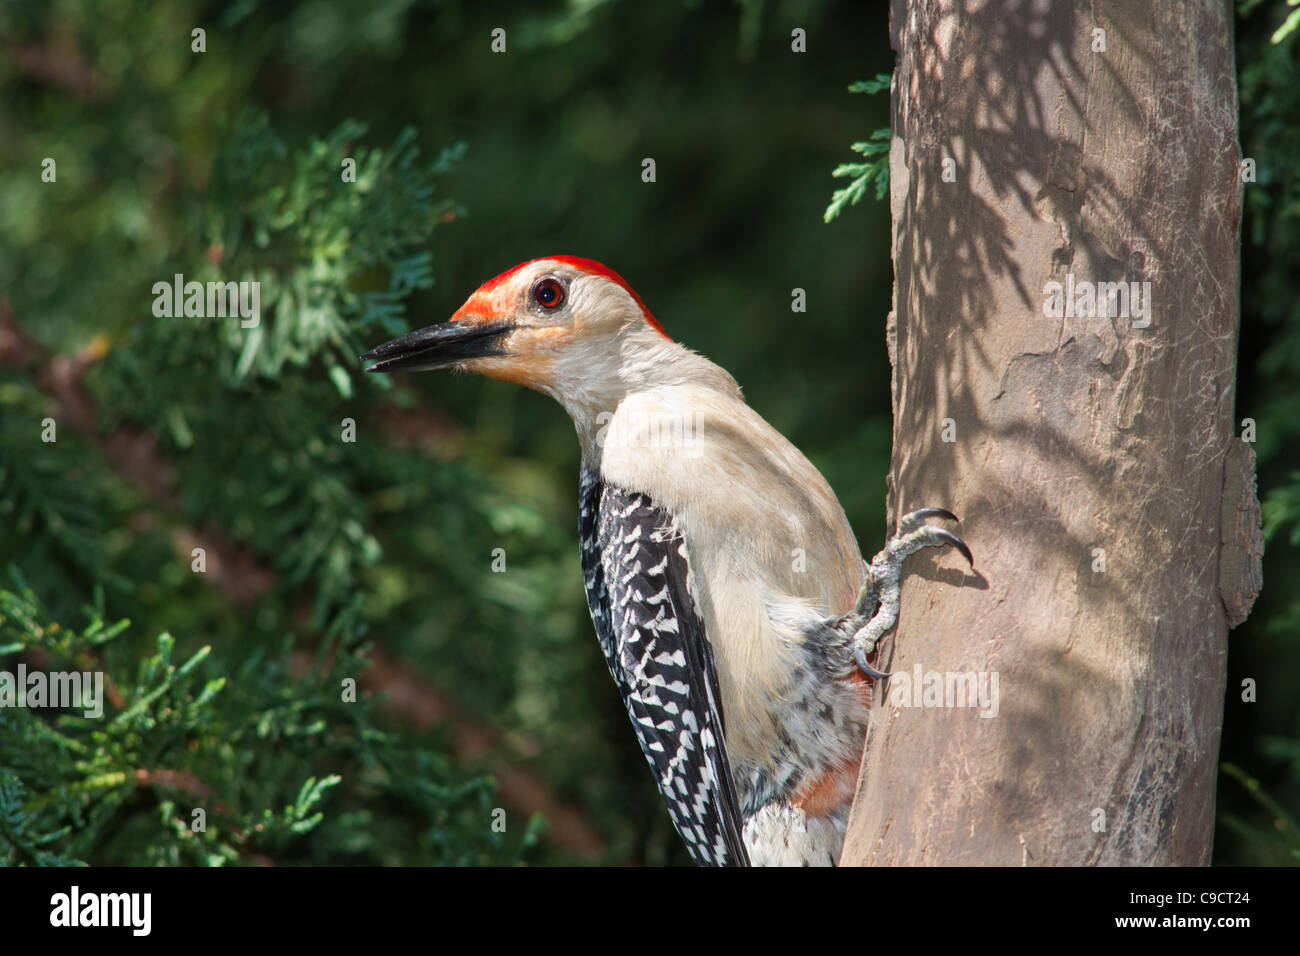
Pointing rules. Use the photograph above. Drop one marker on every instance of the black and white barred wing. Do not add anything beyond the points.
(654, 643)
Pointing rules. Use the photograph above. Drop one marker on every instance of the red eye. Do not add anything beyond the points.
(549, 293)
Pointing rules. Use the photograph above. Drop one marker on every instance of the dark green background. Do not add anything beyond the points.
(744, 134)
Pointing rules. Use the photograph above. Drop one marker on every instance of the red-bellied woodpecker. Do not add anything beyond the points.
(724, 581)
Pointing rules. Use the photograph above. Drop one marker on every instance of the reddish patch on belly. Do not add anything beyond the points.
(832, 791)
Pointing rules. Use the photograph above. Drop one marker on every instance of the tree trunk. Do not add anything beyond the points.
(1091, 455)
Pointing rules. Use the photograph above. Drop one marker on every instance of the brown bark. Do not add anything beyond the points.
(1069, 434)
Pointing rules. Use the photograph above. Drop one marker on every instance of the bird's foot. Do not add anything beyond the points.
(884, 579)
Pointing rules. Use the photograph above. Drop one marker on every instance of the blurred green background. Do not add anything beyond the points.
(488, 691)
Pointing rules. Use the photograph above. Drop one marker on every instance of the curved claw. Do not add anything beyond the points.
(923, 513)
(957, 543)
(861, 656)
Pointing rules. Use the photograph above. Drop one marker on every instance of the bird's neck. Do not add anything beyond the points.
(591, 384)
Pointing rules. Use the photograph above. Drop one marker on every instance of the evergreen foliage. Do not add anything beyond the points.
(1259, 792)
(874, 149)
(329, 561)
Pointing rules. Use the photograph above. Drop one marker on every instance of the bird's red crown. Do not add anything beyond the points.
(589, 266)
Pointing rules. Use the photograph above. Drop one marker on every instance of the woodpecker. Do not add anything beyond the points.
(727, 590)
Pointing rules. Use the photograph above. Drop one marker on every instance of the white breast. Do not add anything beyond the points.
(763, 530)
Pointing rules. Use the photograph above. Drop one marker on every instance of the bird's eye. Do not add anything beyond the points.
(549, 293)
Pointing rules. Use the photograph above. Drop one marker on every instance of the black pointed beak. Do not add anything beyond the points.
(439, 346)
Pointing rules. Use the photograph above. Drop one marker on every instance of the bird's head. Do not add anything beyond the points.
(560, 325)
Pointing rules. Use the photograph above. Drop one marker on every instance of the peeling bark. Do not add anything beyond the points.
(1110, 508)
